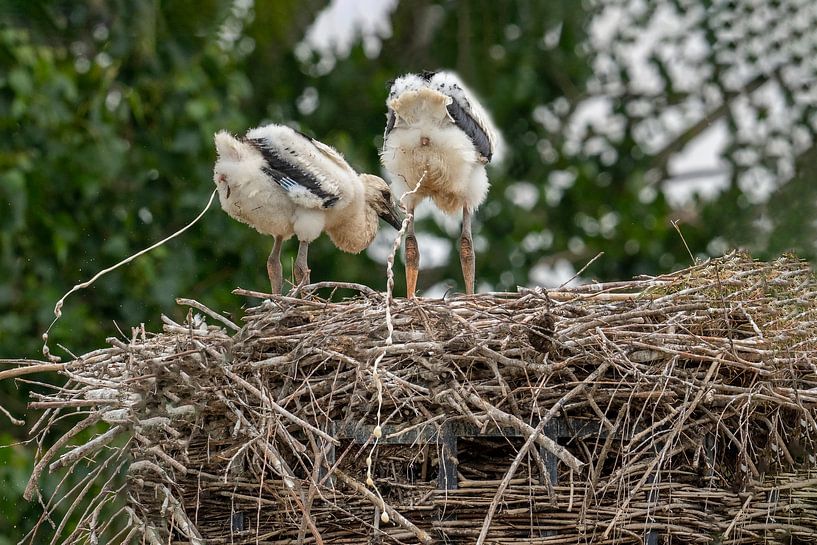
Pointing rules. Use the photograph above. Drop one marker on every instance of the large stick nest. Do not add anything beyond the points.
(681, 406)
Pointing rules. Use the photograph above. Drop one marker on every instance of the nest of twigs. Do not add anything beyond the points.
(678, 408)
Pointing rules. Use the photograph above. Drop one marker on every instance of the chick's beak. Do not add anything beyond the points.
(391, 215)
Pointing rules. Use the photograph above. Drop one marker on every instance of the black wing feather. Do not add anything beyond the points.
(470, 127)
(288, 175)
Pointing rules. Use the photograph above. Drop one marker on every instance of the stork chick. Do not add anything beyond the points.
(284, 183)
(439, 138)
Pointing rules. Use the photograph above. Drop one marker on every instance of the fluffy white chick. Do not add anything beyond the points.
(284, 183)
(437, 142)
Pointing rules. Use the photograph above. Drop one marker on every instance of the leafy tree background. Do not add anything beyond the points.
(107, 111)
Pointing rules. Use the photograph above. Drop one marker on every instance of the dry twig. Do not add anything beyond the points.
(683, 404)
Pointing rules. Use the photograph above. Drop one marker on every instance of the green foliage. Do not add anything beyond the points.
(107, 111)
(16, 463)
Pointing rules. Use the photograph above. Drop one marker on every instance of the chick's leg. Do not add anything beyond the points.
(467, 257)
(276, 279)
(301, 270)
(412, 254)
